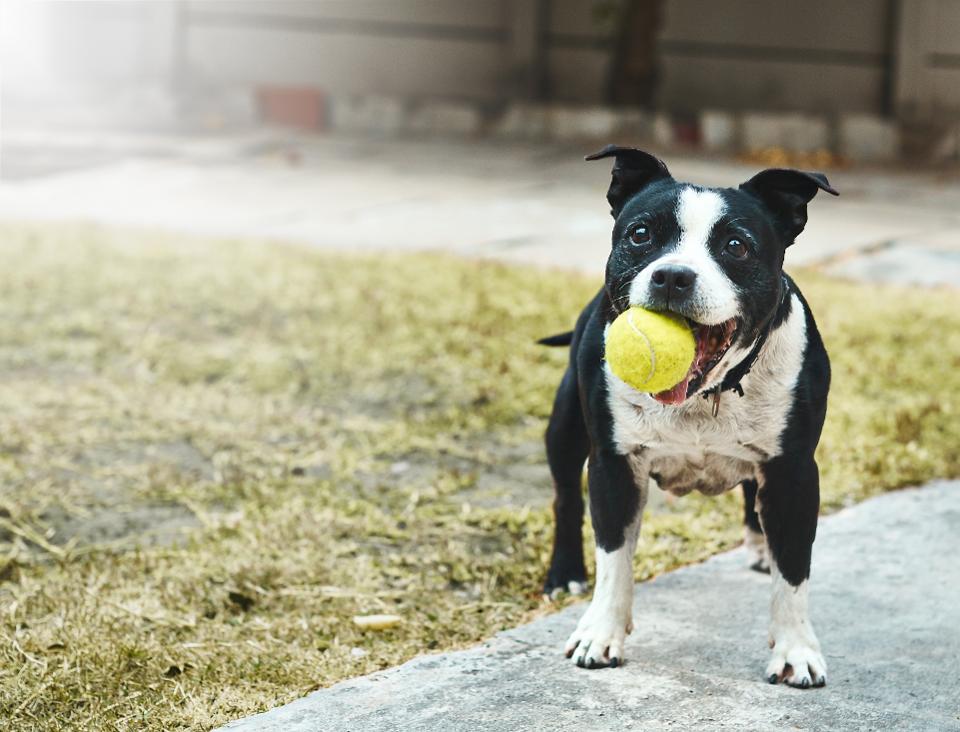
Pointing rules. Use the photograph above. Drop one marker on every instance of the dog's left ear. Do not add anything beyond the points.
(633, 171)
(786, 193)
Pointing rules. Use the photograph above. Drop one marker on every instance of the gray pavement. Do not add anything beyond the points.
(885, 597)
(886, 584)
(538, 204)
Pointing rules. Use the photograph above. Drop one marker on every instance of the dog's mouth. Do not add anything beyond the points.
(713, 341)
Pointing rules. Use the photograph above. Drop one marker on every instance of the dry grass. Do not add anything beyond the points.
(213, 454)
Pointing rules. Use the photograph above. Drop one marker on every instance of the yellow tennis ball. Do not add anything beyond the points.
(652, 352)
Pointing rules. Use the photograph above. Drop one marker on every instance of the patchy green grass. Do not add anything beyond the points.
(213, 454)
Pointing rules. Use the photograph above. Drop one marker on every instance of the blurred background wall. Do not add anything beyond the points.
(228, 62)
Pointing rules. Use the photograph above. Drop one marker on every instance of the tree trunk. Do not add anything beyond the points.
(634, 71)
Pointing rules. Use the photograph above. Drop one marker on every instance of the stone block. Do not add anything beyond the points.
(718, 130)
(380, 115)
(794, 132)
(663, 132)
(572, 123)
(866, 138)
(522, 121)
(445, 118)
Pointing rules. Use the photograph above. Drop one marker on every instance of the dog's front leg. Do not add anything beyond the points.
(618, 486)
(789, 501)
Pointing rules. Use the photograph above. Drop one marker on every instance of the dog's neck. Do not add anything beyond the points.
(732, 378)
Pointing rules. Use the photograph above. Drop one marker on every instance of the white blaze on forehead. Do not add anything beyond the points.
(697, 214)
(714, 299)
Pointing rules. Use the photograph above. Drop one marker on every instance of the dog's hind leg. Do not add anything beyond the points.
(567, 448)
(753, 538)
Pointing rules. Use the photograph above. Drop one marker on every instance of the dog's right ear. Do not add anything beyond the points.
(786, 193)
(633, 170)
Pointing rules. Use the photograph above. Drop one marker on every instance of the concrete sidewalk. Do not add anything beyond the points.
(886, 583)
(532, 203)
(885, 601)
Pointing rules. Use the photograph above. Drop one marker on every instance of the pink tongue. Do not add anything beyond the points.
(679, 393)
(675, 395)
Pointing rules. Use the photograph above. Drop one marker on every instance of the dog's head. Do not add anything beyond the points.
(712, 255)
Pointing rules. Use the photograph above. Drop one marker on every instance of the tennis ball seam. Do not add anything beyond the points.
(633, 346)
(653, 351)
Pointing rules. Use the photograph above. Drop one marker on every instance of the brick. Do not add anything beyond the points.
(298, 107)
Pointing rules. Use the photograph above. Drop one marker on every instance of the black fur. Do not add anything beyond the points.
(751, 518)
(790, 498)
(768, 212)
(560, 339)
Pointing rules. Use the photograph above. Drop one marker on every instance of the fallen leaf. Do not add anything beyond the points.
(376, 622)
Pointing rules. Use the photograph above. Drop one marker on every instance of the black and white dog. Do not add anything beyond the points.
(749, 411)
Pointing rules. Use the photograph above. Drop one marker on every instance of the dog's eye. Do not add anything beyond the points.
(737, 248)
(640, 234)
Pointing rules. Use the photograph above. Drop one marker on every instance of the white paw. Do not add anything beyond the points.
(599, 638)
(757, 551)
(573, 588)
(796, 661)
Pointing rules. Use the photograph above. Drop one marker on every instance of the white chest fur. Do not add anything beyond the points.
(690, 448)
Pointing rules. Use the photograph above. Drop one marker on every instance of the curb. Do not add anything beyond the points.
(858, 138)
(822, 139)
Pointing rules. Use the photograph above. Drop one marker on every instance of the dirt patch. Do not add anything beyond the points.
(147, 525)
(333, 439)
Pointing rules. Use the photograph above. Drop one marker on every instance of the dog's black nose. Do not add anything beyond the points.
(673, 280)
